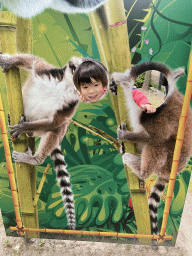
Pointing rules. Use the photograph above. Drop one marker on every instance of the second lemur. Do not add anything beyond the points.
(156, 132)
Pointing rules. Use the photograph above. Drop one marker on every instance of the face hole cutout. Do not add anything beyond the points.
(154, 85)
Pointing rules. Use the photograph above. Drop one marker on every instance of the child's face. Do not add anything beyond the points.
(93, 91)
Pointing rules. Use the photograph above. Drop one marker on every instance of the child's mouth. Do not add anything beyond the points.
(93, 97)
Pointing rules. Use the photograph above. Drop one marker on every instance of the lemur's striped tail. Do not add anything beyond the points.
(154, 201)
(65, 185)
(149, 65)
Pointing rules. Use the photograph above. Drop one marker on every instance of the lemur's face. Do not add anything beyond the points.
(92, 91)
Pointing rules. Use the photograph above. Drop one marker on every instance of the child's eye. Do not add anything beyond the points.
(96, 84)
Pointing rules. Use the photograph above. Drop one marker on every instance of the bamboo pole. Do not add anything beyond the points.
(24, 38)
(102, 39)
(178, 146)
(92, 233)
(23, 170)
(41, 185)
(114, 50)
(10, 168)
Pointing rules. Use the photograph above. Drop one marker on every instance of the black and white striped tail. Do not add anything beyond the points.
(154, 201)
(63, 178)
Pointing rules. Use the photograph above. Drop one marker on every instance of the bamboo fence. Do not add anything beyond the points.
(91, 233)
(10, 167)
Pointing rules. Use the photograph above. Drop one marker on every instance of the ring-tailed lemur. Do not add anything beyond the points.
(29, 8)
(50, 100)
(156, 132)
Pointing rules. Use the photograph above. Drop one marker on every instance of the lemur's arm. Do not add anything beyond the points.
(125, 135)
(44, 125)
(24, 61)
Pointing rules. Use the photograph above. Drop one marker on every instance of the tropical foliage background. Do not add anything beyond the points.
(158, 30)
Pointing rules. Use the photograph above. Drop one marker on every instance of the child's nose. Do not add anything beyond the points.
(91, 90)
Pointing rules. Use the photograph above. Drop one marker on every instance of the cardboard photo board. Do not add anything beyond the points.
(109, 203)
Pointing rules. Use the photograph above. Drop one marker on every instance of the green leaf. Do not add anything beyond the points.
(94, 189)
(6, 200)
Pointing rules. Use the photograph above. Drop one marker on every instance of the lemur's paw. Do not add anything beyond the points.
(18, 129)
(113, 87)
(18, 157)
(5, 63)
(121, 131)
(22, 157)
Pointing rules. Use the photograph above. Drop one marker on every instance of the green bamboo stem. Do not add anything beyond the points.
(41, 185)
(24, 172)
(24, 40)
(114, 50)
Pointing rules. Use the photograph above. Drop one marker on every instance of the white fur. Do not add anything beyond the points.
(152, 213)
(69, 210)
(64, 196)
(58, 156)
(66, 179)
(52, 95)
(153, 202)
(30, 8)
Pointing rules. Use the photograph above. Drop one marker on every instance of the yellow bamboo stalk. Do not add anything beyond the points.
(24, 38)
(114, 50)
(102, 38)
(92, 233)
(178, 146)
(24, 172)
(10, 167)
(41, 185)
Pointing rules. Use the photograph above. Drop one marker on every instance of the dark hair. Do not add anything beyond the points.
(88, 69)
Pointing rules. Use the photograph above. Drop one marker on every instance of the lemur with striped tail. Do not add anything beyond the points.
(155, 132)
(50, 100)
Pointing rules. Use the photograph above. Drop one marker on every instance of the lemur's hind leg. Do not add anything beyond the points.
(47, 144)
(143, 171)
(138, 164)
(133, 161)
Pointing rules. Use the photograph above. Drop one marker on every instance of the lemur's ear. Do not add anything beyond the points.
(179, 72)
(72, 66)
